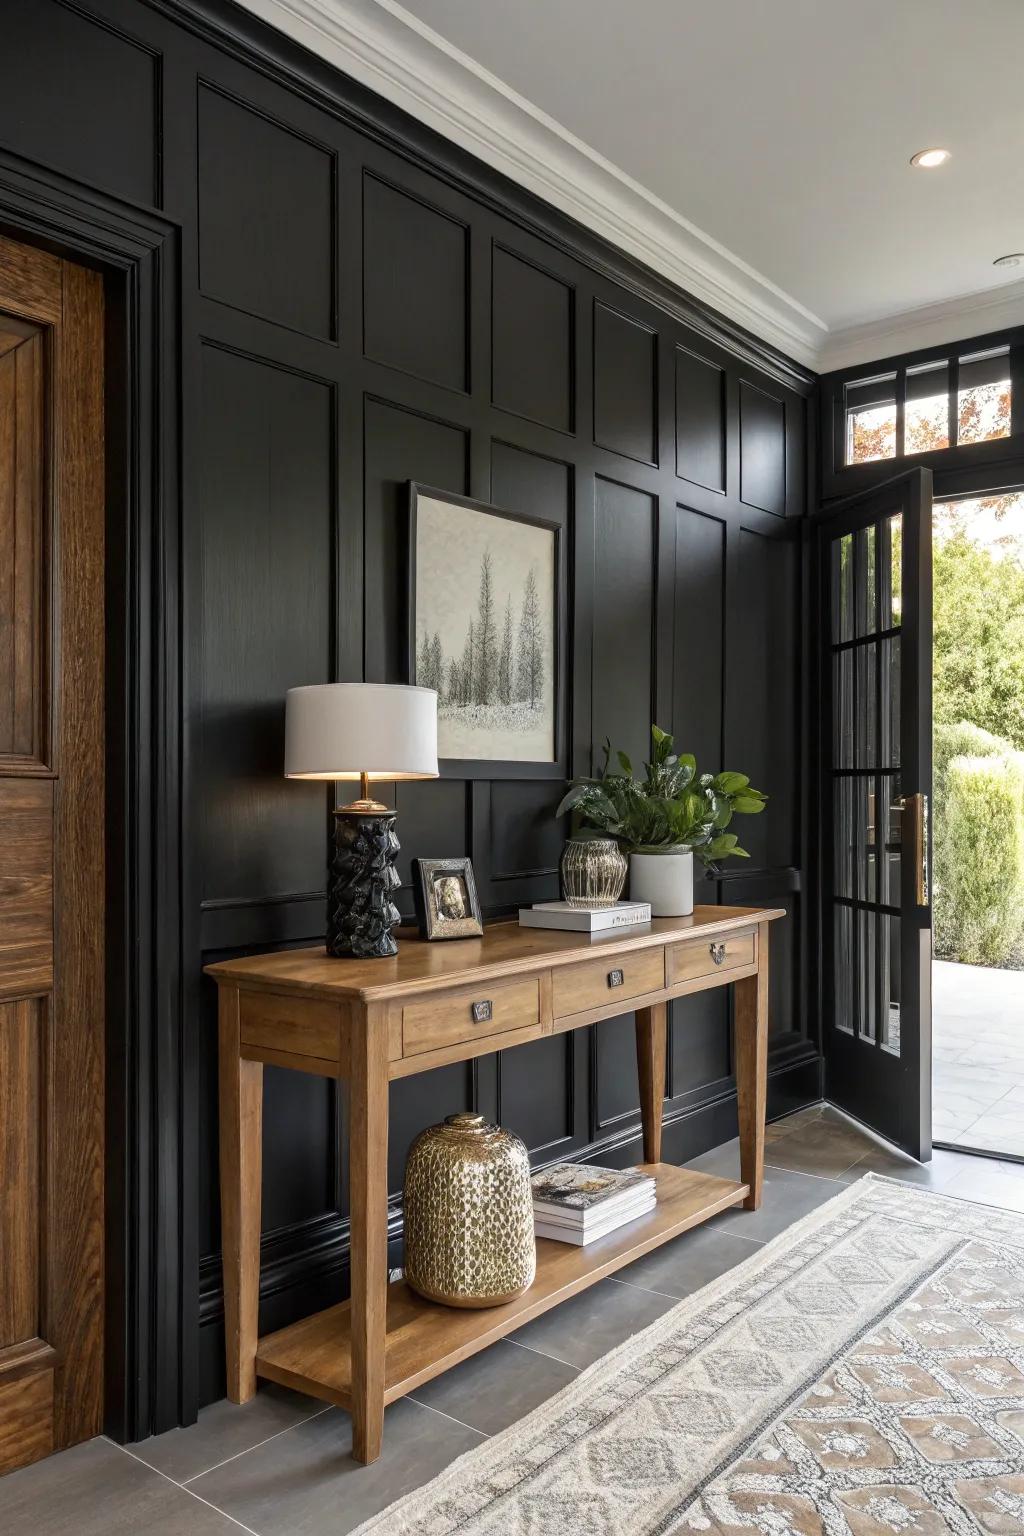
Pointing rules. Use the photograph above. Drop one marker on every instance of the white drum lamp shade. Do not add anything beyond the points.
(348, 730)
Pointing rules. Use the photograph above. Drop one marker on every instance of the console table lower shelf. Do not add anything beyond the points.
(424, 1339)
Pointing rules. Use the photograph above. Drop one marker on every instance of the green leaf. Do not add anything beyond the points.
(747, 805)
(731, 783)
(625, 764)
(572, 799)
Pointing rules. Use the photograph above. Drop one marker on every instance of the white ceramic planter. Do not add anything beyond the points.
(663, 879)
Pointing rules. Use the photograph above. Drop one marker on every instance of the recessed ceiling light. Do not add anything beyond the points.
(928, 159)
(1014, 259)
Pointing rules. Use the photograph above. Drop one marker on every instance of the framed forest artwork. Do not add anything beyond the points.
(485, 630)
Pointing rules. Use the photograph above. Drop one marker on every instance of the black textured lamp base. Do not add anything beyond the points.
(362, 876)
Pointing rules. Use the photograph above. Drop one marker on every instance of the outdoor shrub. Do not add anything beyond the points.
(978, 860)
(960, 740)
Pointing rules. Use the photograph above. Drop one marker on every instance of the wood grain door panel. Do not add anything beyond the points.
(25, 599)
(51, 864)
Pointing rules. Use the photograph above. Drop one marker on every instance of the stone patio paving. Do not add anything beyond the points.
(978, 1052)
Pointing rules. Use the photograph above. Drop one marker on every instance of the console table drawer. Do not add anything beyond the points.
(616, 978)
(688, 962)
(491, 1008)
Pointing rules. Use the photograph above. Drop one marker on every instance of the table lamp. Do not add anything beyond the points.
(361, 731)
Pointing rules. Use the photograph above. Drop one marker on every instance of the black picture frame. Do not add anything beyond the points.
(503, 768)
(429, 876)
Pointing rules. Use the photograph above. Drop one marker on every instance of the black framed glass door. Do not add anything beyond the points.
(875, 754)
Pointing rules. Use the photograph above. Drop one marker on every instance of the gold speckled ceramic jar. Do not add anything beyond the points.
(469, 1214)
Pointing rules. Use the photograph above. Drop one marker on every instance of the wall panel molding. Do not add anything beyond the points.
(290, 560)
(412, 66)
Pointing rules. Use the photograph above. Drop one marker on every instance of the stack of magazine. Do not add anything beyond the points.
(578, 1202)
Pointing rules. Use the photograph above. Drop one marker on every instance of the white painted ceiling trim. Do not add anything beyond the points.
(393, 53)
(932, 325)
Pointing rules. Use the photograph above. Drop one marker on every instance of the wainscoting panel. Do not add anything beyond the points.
(762, 449)
(762, 690)
(700, 420)
(359, 305)
(415, 286)
(265, 527)
(625, 385)
(266, 217)
(700, 601)
(532, 340)
(88, 103)
(624, 604)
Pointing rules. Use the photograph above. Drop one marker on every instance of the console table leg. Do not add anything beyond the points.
(368, 1160)
(241, 1151)
(650, 1063)
(751, 1049)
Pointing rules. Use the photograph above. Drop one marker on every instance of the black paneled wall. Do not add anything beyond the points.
(356, 313)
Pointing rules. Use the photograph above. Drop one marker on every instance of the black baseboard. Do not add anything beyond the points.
(305, 1268)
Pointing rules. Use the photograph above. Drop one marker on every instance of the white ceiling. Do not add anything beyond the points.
(756, 151)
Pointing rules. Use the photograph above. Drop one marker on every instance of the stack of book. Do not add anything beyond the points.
(578, 1202)
(559, 914)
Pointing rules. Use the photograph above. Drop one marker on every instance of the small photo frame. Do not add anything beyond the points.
(447, 906)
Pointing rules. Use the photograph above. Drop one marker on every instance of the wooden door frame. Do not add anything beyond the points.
(150, 1095)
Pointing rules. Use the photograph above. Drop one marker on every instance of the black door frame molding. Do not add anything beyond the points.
(146, 1303)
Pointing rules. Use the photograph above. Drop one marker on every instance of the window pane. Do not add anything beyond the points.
(842, 707)
(983, 403)
(864, 580)
(896, 557)
(890, 824)
(871, 419)
(864, 801)
(866, 744)
(844, 969)
(845, 836)
(842, 587)
(891, 983)
(867, 976)
(926, 418)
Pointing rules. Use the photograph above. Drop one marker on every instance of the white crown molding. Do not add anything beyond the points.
(393, 53)
(972, 314)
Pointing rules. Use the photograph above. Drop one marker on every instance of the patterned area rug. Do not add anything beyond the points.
(862, 1375)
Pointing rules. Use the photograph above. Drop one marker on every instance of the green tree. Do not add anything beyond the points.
(979, 637)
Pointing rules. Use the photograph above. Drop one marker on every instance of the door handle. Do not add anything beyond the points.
(916, 807)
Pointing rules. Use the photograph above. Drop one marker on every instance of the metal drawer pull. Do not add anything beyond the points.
(483, 1011)
(717, 953)
(615, 978)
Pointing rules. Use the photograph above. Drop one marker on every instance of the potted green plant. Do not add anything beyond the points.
(663, 819)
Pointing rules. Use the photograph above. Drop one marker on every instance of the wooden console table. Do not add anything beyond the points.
(374, 1020)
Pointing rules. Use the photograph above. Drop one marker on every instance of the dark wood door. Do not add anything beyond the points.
(51, 854)
(876, 725)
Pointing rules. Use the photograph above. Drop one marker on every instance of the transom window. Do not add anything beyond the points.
(946, 402)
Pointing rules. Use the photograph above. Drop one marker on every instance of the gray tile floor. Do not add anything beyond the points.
(978, 1044)
(281, 1465)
